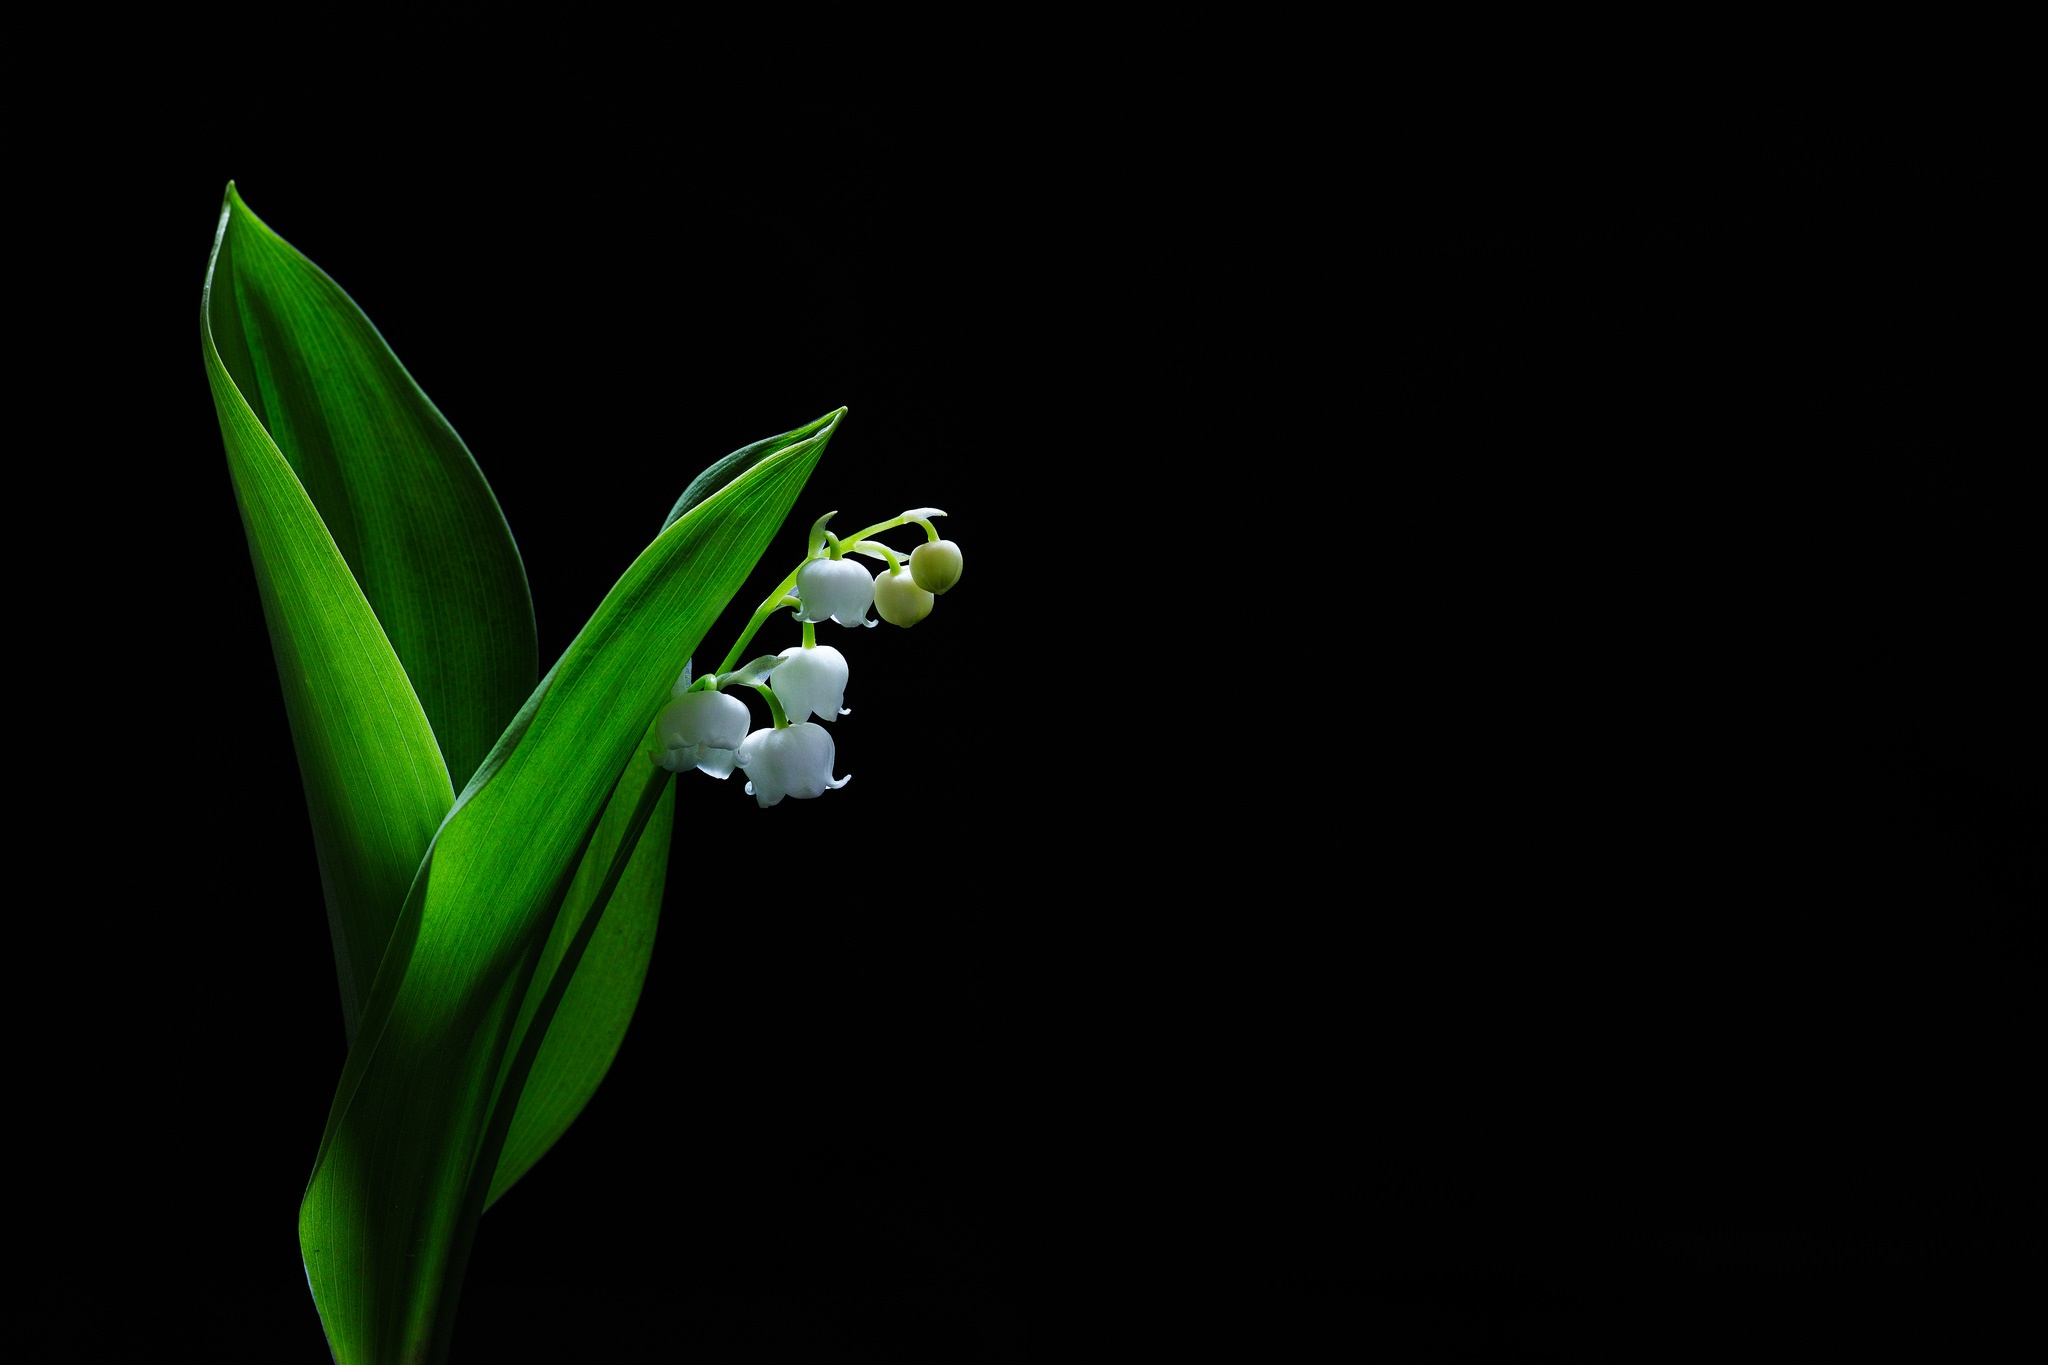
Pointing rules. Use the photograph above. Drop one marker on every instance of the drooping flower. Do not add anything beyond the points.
(899, 599)
(935, 565)
(702, 730)
(796, 761)
(811, 682)
(838, 589)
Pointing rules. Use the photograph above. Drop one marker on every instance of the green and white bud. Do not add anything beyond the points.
(899, 599)
(935, 565)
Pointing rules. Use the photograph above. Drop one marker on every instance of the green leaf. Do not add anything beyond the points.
(376, 785)
(739, 462)
(752, 671)
(425, 542)
(591, 1022)
(397, 489)
(415, 1135)
(599, 1001)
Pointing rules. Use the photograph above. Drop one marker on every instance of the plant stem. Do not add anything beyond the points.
(761, 615)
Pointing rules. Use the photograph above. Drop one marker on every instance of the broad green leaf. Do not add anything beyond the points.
(331, 389)
(396, 487)
(423, 536)
(425, 542)
(411, 1145)
(591, 1022)
(375, 782)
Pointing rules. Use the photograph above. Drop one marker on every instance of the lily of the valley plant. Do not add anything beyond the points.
(492, 844)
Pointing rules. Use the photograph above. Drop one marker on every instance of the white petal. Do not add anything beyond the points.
(811, 682)
(750, 746)
(796, 761)
(714, 718)
(838, 589)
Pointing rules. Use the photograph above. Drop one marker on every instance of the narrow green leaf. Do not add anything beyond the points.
(398, 491)
(375, 782)
(404, 1166)
(753, 670)
(590, 1023)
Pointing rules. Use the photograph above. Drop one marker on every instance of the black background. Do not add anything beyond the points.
(1722, 768)
(1468, 794)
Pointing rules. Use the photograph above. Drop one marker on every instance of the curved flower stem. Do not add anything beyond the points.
(871, 547)
(819, 536)
(915, 514)
(774, 705)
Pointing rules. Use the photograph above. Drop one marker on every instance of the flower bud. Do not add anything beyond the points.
(900, 600)
(935, 565)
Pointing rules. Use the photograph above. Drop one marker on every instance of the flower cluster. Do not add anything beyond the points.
(706, 728)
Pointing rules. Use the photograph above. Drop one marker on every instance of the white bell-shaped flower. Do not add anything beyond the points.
(702, 730)
(795, 762)
(838, 589)
(811, 682)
